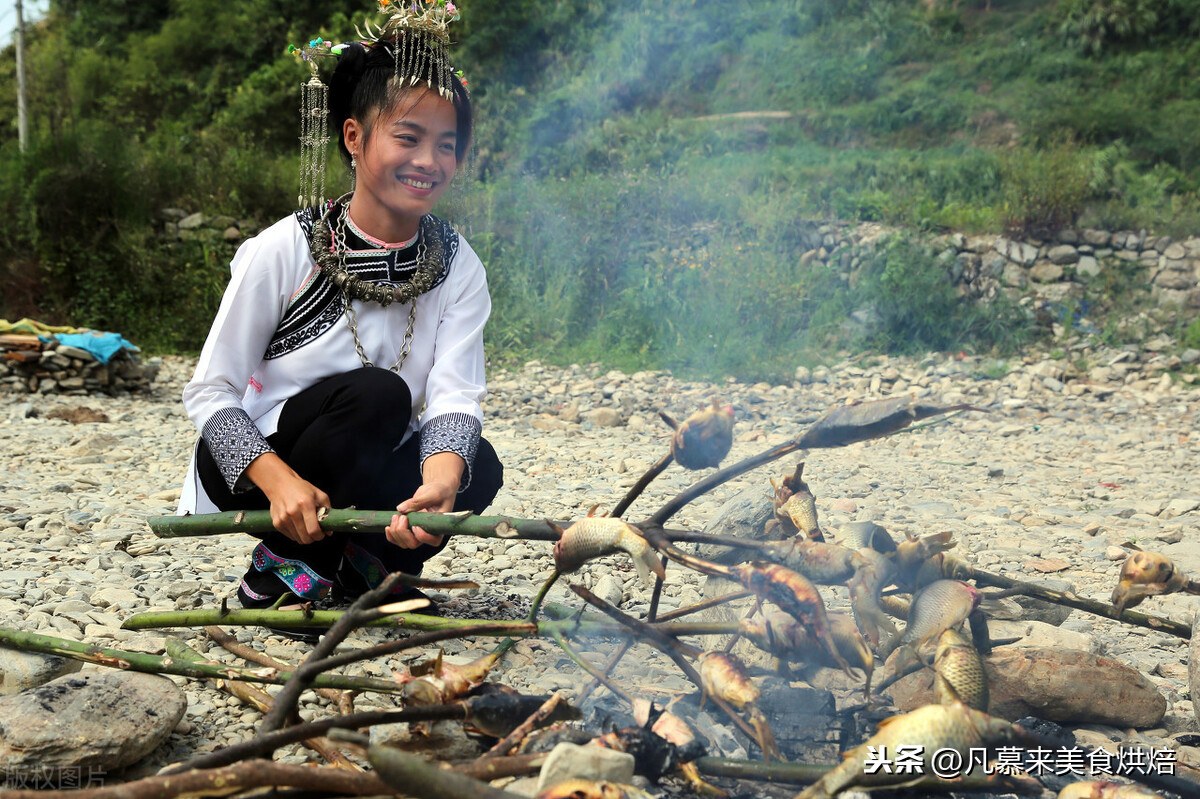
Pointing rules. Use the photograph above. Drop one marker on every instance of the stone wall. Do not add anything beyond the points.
(179, 224)
(1051, 269)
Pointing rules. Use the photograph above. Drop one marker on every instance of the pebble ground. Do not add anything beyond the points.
(1079, 455)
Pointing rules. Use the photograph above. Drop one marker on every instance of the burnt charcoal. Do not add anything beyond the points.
(803, 719)
(653, 756)
(1048, 728)
(547, 738)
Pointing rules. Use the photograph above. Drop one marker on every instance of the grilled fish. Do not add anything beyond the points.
(704, 438)
(825, 564)
(723, 675)
(960, 675)
(1146, 574)
(941, 605)
(792, 593)
(586, 789)
(595, 536)
(1105, 790)
(788, 640)
(927, 728)
(795, 505)
(676, 730)
(865, 588)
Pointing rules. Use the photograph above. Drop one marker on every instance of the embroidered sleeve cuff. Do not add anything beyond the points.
(234, 441)
(452, 432)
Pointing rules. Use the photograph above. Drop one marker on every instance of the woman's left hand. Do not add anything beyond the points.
(434, 497)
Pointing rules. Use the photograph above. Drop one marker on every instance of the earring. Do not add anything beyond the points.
(353, 172)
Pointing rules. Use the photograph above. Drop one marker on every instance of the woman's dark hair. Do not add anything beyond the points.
(362, 87)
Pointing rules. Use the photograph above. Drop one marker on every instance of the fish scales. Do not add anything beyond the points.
(827, 564)
(930, 728)
(595, 536)
(960, 672)
(943, 604)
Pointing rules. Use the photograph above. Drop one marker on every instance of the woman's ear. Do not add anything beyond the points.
(353, 135)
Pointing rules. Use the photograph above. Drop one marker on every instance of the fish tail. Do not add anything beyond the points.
(766, 738)
(692, 774)
(648, 566)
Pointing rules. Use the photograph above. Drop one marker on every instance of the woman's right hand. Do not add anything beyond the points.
(294, 500)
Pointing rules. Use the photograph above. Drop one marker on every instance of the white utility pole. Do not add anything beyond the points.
(22, 114)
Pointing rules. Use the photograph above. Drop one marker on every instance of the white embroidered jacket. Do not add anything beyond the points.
(281, 328)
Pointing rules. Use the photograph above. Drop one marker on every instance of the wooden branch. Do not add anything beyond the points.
(226, 781)
(420, 779)
(505, 744)
(641, 484)
(261, 701)
(154, 664)
(234, 647)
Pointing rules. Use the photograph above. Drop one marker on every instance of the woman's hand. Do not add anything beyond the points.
(431, 497)
(294, 500)
(443, 475)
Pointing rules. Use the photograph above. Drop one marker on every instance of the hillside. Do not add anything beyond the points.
(642, 171)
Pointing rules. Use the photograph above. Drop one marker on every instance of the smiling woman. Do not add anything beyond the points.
(293, 412)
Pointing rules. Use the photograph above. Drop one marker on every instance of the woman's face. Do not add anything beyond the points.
(406, 163)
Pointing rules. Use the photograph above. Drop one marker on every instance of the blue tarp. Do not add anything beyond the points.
(102, 345)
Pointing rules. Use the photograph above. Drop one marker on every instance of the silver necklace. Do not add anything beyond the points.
(333, 265)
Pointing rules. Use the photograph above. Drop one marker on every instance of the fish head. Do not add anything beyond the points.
(1147, 567)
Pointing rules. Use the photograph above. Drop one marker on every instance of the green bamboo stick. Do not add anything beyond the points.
(572, 626)
(155, 664)
(258, 522)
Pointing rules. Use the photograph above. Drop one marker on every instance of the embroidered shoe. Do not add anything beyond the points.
(285, 601)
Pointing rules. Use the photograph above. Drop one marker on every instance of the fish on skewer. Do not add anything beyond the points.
(928, 729)
(594, 536)
(676, 730)
(1146, 574)
(723, 675)
(825, 564)
(863, 421)
(587, 789)
(912, 554)
(959, 672)
(942, 565)
(704, 438)
(792, 593)
(795, 505)
(788, 640)
(1105, 790)
(866, 535)
(866, 588)
(941, 605)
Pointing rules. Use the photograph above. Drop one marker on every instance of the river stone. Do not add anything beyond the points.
(1040, 610)
(101, 721)
(1054, 684)
(568, 761)
(21, 670)
(1194, 666)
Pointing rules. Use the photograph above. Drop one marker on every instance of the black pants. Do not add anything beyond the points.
(342, 435)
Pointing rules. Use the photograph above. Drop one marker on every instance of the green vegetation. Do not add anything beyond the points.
(625, 214)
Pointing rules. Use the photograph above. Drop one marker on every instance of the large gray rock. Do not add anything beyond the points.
(1063, 254)
(743, 516)
(1040, 610)
(99, 721)
(1056, 685)
(21, 670)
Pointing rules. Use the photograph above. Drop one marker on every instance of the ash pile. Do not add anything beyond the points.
(822, 662)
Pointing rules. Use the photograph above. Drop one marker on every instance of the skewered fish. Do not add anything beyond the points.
(927, 729)
(795, 595)
(704, 438)
(788, 640)
(723, 675)
(676, 730)
(795, 506)
(941, 605)
(594, 536)
(1105, 790)
(826, 564)
(1146, 574)
(960, 675)
(865, 588)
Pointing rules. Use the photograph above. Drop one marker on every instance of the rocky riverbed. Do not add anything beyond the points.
(1081, 453)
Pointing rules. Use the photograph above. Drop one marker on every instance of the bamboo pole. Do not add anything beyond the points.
(154, 664)
(419, 778)
(226, 781)
(1072, 600)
